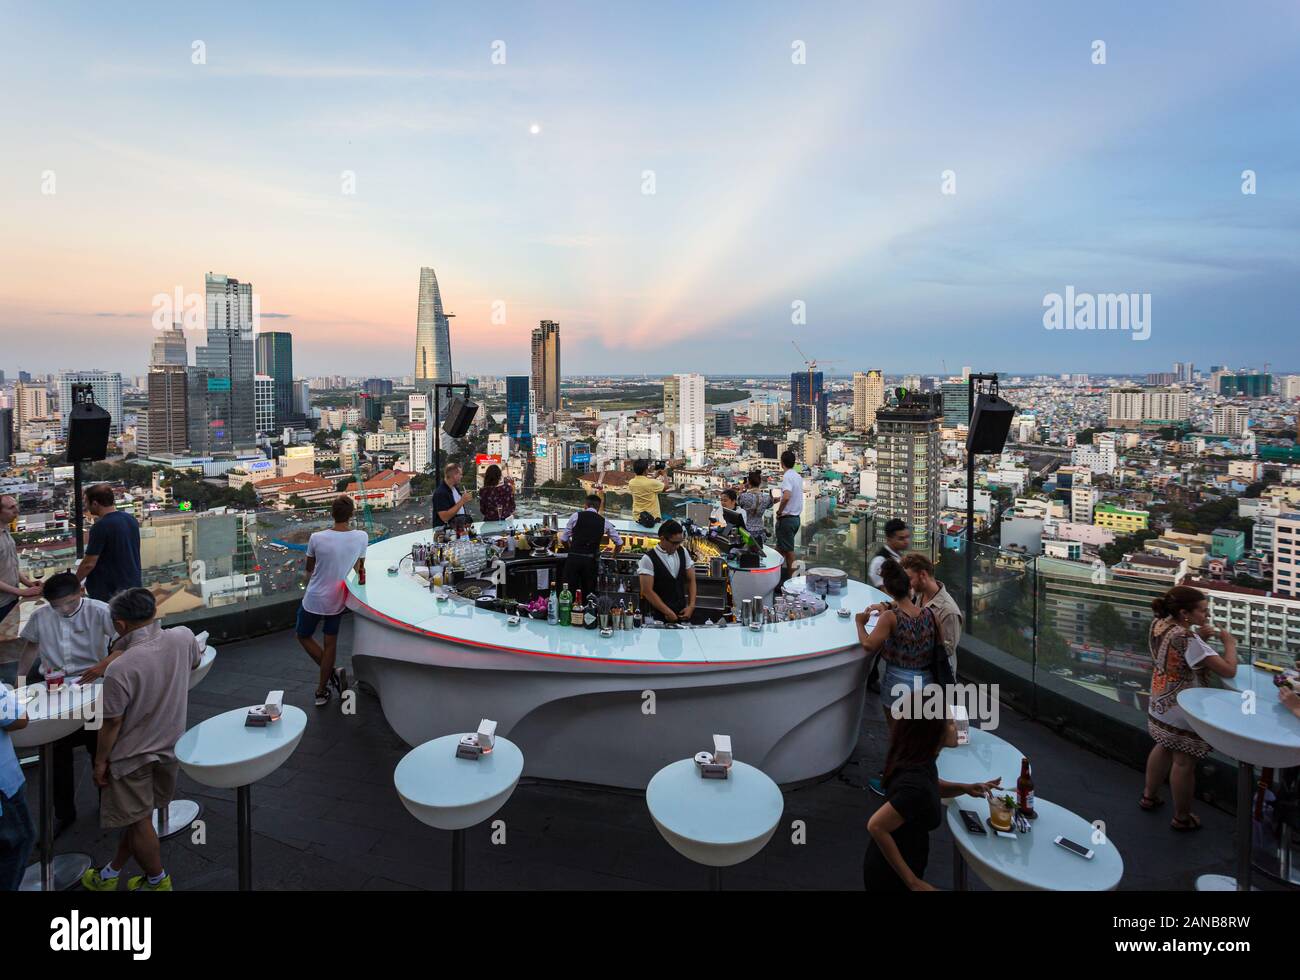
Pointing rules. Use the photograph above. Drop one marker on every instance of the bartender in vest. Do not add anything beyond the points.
(668, 576)
(448, 502)
(898, 537)
(583, 534)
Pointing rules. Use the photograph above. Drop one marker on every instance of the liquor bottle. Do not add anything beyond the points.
(565, 605)
(552, 607)
(590, 615)
(636, 618)
(1025, 790)
(575, 614)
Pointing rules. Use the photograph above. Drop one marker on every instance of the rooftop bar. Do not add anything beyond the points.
(612, 709)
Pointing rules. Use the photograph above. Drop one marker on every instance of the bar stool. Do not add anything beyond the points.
(50, 717)
(181, 814)
(451, 793)
(224, 753)
(714, 822)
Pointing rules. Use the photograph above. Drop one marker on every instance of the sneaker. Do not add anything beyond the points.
(876, 785)
(93, 881)
(140, 883)
(322, 698)
(339, 678)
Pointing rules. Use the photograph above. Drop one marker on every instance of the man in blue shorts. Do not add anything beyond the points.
(331, 554)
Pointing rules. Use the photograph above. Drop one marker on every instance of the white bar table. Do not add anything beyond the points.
(51, 715)
(181, 814)
(714, 822)
(1033, 861)
(450, 793)
(1256, 731)
(225, 753)
(986, 756)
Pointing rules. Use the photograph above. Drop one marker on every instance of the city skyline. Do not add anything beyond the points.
(817, 184)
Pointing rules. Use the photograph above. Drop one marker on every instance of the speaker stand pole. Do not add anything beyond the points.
(78, 518)
(970, 508)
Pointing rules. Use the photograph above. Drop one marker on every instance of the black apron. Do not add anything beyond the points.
(583, 563)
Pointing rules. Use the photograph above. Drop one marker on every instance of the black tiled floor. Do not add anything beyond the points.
(330, 819)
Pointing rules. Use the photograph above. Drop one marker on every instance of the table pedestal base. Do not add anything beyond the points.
(244, 809)
(458, 860)
(180, 814)
(65, 872)
(1219, 883)
(715, 879)
(959, 880)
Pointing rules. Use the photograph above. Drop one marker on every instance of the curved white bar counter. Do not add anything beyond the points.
(609, 710)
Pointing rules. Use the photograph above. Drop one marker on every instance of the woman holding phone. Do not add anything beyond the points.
(899, 849)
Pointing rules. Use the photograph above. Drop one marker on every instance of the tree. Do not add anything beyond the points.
(1106, 627)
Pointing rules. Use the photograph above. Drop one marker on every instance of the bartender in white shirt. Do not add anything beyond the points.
(667, 576)
(72, 634)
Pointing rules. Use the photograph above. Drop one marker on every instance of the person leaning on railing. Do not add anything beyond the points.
(1180, 659)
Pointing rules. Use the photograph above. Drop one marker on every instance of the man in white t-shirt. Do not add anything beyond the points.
(331, 554)
(788, 513)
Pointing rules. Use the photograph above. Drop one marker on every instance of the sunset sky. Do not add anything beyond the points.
(774, 182)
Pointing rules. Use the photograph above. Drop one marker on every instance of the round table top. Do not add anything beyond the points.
(985, 757)
(224, 739)
(1259, 731)
(721, 812)
(1033, 861)
(205, 664)
(51, 715)
(431, 775)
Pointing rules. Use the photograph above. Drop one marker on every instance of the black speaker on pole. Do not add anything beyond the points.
(460, 413)
(989, 424)
(88, 426)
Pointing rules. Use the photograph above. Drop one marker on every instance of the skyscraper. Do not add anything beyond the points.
(167, 417)
(868, 395)
(518, 423)
(221, 397)
(170, 347)
(275, 360)
(107, 388)
(807, 401)
(690, 423)
(432, 338)
(908, 462)
(956, 403)
(546, 366)
(264, 403)
(421, 431)
(6, 434)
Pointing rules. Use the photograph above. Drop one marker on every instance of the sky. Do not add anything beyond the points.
(683, 186)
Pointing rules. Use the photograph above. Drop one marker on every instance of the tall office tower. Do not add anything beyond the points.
(1289, 386)
(167, 425)
(546, 366)
(807, 401)
(432, 338)
(1231, 420)
(907, 466)
(107, 388)
(420, 426)
(1185, 371)
(1286, 555)
(378, 387)
(1133, 408)
(671, 400)
(6, 434)
(264, 403)
(302, 399)
(275, 360)
(30, 402)
(689, 426)
(221, 385)
(518, 421)
(956, 405)
(868, 396)
(170, 347)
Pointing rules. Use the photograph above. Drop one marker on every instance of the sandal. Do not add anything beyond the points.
(1150, 802)
(1185, 826)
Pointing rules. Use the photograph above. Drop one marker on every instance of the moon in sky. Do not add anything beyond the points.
(535, 128)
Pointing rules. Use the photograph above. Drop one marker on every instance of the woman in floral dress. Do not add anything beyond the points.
(1180, 659)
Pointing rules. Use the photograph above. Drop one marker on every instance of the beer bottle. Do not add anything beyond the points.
(1025, 790)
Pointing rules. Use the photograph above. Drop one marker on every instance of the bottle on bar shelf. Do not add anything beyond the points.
(590, 615)
(1025, 790)
(575, 614)
(565, 604)
(552, 607)
(637, 621)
